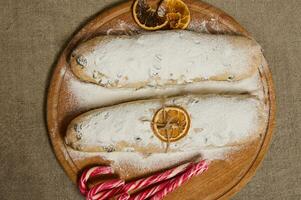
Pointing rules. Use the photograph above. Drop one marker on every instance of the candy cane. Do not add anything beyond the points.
(159, 191)
(168, 182)
(102, 187)
(139, 184)
(149, 192)
(95, 171)
(124, 196)
(178, 181)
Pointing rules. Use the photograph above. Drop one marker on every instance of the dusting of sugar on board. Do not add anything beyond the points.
(199, 26)
(89, 95)
(92, 96)
(139, 163)
(210, 25)
(124, 28)
(63, 71)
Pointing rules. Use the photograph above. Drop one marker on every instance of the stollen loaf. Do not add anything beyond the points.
(164, 58)
(212, 121)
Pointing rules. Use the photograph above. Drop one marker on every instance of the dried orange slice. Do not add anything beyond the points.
(155, 14)
(171, 123)
(177, 14)
(147, 16)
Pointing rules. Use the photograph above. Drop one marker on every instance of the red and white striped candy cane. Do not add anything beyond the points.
(160, 190)
(92, 194)
(124, 196)
(180, 180)
(142, 183)
(168, 182)
(90, 173)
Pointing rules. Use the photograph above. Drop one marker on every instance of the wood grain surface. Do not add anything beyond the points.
(224, 178)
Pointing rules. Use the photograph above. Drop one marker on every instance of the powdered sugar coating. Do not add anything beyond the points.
(90, 96)
(180, 57)
(216, 121)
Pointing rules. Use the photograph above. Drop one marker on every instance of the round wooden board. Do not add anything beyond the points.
(224, 178)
